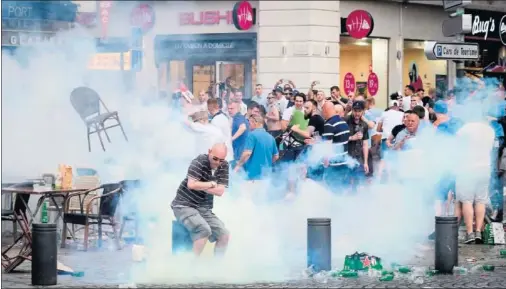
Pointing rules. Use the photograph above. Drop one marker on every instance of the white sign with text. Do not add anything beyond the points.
(452, 51)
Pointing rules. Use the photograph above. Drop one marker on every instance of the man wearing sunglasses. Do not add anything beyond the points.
(207, 177)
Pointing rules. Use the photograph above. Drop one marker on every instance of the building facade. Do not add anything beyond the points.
(301, 41)
(26, 23)
(196, 43)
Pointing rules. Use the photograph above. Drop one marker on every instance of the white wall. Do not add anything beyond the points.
(308, 31)
(419, 22)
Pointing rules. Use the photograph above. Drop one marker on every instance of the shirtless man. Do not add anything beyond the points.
(273, 118)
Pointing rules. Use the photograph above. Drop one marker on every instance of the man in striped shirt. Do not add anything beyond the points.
(207, 177)
(335, 132)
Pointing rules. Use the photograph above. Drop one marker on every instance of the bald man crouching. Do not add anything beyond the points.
(207, 177)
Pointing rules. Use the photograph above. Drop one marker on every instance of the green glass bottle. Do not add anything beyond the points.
(376, 263)
(388, 277)
(44, 219)
(348, 274)
(489, 268)
(347, 262)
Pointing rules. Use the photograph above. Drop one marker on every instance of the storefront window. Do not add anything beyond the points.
(203, 78)
(360, 57)
(420, 72)
(204, 75)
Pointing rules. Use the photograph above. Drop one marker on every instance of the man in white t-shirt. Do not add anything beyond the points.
(221, 121)
(409, 90)
(259, 96)
(299, 100)
(476, 141)
(389, 119)
(206, 133)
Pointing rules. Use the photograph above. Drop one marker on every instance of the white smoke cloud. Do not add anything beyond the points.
(40, 130)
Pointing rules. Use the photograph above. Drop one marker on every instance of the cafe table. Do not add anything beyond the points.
(12, 262)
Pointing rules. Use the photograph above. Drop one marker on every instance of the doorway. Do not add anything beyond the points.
(207, 75)
(202, 61)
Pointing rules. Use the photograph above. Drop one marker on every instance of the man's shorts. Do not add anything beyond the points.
(200, 222)
(337, 178)
(445, 185)
(472, 190)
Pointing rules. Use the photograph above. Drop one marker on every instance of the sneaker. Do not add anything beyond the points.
(469, 238)
(478, 238)
(432, 236)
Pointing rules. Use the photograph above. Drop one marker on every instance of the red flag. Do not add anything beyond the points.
(188, 95)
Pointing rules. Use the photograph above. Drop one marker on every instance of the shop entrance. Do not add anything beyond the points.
(206, 75)
(203, 61)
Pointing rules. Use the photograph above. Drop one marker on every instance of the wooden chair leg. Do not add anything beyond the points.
(64, 235)
(89, 141)
(98, 129)
(99, 242)
(122, 227)
(14, 229)
(115, 232)
(136, 232)
(105, 131)
(122, 130)
(86, 231)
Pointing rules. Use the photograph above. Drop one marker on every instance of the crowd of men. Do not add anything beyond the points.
(273, 131)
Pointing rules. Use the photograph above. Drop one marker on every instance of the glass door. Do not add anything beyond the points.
(232, 74)
(203, 77)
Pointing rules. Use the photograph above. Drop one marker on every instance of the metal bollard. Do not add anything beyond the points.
(319, 251)
(446, 247)
(44, 254)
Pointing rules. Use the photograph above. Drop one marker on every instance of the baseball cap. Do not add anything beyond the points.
(440, 107)
(358, 105)
(278, 89)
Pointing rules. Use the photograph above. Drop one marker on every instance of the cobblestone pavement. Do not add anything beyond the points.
(108, 269)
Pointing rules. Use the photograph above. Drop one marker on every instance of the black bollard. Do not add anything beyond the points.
(44, 254)
(447, 247)
(319, 251)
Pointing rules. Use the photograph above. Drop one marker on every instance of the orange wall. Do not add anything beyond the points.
(427, 69)
(357, 62)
